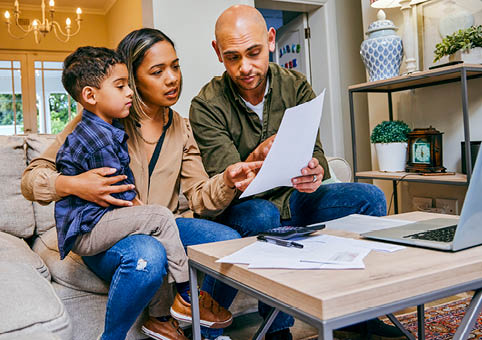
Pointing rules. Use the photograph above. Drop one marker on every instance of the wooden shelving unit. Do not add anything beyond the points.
(460, 73)
(456, 179)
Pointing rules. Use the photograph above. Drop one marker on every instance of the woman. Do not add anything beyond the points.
(164, 158)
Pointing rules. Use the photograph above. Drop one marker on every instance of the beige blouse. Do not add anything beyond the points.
(179, 166)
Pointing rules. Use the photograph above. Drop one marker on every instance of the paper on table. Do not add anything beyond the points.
(338, 254)
(334, 252)
(260, 251)
(349, 242)
(362, 223)
(291, 264)
(292, 148)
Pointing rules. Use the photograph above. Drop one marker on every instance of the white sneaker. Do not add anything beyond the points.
(223, 337)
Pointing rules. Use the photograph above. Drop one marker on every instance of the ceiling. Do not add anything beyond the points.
(88, 6)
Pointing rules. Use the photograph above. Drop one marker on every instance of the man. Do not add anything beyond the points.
(236, 117)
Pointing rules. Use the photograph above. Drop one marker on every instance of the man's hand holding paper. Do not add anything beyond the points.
(291, 152)
(311, 177)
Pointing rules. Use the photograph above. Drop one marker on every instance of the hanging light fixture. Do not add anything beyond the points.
(44, 26)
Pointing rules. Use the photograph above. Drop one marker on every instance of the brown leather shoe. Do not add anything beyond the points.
(212, 315)
(163, 330)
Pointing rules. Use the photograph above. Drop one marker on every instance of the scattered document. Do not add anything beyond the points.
(292, 148)
(356, 223)
(350, 242)
(314, 255)
(318, 252)
(292, 264)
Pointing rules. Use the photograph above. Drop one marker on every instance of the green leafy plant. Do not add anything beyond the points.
(461, 40)
(390, 132)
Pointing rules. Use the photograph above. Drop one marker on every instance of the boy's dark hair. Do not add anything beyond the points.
(88, 66)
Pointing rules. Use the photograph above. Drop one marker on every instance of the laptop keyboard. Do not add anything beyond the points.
(445, 234)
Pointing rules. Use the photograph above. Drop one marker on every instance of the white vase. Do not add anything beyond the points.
(472, 56)
(392, 157)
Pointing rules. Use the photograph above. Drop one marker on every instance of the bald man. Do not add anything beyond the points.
(236, 116)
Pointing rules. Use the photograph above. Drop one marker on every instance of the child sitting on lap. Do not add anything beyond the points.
(97, 79)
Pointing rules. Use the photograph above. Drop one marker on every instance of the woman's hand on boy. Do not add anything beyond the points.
(94, 186)
(239, 175)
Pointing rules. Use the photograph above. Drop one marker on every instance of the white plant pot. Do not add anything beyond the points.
(472, 56)
(392, 157)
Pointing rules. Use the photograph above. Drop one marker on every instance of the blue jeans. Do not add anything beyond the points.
(136, 266)
(329, 202)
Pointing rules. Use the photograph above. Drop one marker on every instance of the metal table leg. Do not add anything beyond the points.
(325, 334)
(397, 323)
(260, 333)
(196, 326)
(421, 321)
(470, 317)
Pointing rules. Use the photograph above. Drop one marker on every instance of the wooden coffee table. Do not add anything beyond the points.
(330, 299)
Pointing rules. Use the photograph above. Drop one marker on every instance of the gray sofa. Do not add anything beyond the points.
(42, 297)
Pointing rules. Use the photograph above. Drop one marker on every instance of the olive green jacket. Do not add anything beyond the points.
(227, 131)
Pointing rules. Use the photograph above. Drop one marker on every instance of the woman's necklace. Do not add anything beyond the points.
(145, 140)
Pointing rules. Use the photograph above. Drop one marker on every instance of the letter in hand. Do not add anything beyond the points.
(240, 175)
(261, 151)
(311, 177)
(94, 186)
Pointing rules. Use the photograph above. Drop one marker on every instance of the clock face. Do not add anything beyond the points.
(421, 151)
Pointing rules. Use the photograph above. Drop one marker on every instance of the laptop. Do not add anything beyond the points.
(443, 233)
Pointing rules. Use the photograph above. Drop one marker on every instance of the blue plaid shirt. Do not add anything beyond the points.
(93, 144)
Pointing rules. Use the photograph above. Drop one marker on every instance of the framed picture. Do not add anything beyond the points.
(439, 18)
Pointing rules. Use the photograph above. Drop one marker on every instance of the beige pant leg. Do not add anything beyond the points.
(154, 220)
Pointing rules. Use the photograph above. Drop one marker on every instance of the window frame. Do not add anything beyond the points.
(27, 71)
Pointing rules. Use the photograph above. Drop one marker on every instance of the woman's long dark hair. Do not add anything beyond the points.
(133, 49)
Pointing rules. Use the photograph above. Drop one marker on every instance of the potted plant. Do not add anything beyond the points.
(464, 45)
(390, 139)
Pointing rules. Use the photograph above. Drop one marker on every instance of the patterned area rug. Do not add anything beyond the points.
(442, 321)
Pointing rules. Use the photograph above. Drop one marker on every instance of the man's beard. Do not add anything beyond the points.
(240, 83)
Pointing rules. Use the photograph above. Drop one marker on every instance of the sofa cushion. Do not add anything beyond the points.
(16, 250)
(16, 217)
(37, 336)
(44, 215)
(87, 312)
(37, 307)
(70, 272)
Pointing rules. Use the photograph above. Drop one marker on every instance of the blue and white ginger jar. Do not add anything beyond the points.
(382, 51)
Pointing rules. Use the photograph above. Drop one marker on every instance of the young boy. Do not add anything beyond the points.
(97, 79)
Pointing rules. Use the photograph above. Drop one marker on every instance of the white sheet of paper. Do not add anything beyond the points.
(334, 253)
(290, 264)
(292, 148)
(362, 223)
(261, 250)
(349, 242)
(267, 255)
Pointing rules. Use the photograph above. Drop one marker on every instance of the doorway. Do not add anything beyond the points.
(292, 39)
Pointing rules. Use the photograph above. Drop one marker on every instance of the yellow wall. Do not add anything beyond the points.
(124, 17)
(93, 32)
(96, 30)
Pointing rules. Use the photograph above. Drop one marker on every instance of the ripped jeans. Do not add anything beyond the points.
(136, 266)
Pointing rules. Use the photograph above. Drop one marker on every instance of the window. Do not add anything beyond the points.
(55, 108)
(11, 109)
(32, 98)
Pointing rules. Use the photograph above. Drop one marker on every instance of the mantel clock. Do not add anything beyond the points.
(425, 151)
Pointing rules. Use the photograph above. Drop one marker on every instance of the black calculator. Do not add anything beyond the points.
(286, 232)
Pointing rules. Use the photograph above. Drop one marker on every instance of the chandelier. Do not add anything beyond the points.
(46, 25)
